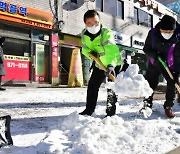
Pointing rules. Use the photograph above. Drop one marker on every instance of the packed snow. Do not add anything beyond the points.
(130, 83)
(46, 121)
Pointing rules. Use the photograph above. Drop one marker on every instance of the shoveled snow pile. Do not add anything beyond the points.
(46, 121)
(89, 135)
(130, 83)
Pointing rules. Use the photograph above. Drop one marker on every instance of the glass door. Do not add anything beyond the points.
(39, 62)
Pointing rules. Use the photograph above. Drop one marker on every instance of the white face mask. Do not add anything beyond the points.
(94, 29)
(167, 36)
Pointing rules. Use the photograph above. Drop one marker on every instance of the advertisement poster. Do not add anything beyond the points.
(40, 64)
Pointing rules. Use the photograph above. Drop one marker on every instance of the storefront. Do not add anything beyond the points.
(124, 43)
(140, 58)
(131, 49)
(66, 45)
(27, 46)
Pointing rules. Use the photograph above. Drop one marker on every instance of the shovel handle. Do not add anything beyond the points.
(98, 61)
(169, 73)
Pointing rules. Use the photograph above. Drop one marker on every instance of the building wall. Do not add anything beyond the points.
(72, 15)
(41, 4)
(74, 18)
(165, 2)
(26, 39)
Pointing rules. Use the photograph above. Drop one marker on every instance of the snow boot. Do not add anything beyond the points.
(148, 102)
(2, 89)
(169, 112)
(86, 112)
(146, 110)
(111, 103)
(5, 133)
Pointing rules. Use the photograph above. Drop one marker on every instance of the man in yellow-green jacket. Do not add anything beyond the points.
(99, 41)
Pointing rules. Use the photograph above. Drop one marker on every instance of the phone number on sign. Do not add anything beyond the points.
(19, 65)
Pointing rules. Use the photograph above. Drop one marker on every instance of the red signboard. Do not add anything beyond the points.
(18, 70)
(54, 56)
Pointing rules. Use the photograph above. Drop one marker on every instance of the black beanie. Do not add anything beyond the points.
(168, 23)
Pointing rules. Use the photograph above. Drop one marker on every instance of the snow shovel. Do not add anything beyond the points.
(146, 111)
(98, 61)
(5, 134)
(169, 72)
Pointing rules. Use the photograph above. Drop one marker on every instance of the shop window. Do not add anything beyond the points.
(142, 18)
(99, 4)
(150, 20)
(120, 9)
(40, 35)
(136, 16)
(16, 47)
(110, 6)
(141, 60)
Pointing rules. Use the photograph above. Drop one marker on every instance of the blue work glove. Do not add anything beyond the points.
(110, 70)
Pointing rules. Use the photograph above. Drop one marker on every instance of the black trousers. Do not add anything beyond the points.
(152, 76)
(96, 79)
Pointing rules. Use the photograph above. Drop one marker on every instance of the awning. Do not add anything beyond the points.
(131, 49)
(127, 48)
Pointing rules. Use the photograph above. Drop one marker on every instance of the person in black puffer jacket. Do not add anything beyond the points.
(160, 42)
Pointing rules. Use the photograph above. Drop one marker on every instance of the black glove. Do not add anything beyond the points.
(162, 56)
(110, 69)
(95, 54)
(125, 66)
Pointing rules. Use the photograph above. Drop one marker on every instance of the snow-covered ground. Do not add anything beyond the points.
(46, 121)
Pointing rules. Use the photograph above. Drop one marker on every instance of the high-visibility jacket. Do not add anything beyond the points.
(104, 45)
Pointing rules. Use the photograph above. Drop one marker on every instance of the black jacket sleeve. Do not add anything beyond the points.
(148, 47)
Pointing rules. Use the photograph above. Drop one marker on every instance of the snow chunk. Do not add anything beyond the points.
(130, 83)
